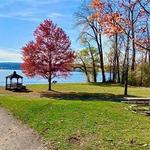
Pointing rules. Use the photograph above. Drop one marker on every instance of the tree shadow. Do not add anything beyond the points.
(107, 84)
(84, 96)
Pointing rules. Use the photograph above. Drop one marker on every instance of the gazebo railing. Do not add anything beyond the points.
(15, 86)
(18, 85)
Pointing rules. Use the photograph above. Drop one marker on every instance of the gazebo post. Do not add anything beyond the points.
(6, 84)
(17, 83)
(10, 82)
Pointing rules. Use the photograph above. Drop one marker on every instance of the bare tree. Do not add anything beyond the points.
(91, 29)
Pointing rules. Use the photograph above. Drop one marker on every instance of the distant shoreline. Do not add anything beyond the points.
(10, 66)
(17, 66)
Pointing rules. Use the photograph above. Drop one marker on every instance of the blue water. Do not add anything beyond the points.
(77, 77)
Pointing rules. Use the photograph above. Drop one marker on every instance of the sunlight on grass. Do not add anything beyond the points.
(76, 124)
(95, 124)
(115, 89)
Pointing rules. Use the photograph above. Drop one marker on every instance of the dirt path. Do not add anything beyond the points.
(16, 136)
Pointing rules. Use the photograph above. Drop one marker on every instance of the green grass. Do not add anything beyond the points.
(101, 89)
(141, 109)
(83, 125)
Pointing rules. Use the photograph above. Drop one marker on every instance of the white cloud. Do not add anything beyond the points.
(10, 55)
(33, 13)
(29, 10)
(30, 16)
(21, 16)
(55, 15)
(26, 14)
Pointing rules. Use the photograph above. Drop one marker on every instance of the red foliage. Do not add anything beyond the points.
(50, 54)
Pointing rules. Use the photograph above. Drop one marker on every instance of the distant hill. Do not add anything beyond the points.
(17, 66)
(10, 65)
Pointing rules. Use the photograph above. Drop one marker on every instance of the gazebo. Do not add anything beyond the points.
(17, 85)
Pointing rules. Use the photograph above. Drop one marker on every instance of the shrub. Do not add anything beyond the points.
(141, 76)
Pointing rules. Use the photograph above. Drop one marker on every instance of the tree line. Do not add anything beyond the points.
(115, 35)
(116, 38)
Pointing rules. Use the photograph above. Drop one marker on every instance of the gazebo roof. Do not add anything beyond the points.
(14, 75)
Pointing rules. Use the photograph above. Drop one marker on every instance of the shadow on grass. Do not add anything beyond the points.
(84, 96)
(21, 91)
(108, 84)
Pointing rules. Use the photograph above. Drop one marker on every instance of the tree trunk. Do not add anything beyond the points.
(49, 84)
(133, 43)
(124, 64)
(126, 83)
(114, 69)
(126, 78)
(94, 71)
(115, 64)
(142, 65)
(149, 58)
(98, 39)
(117, 57)
(148, 37)
(93, 64)
(123, 68)
(85, 69)
(102, 69)
(145, 60)
(110, 72)
(102, 60)
(127, 66)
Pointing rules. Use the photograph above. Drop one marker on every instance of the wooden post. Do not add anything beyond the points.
(6, 84)
(10, 83)
(17, 83)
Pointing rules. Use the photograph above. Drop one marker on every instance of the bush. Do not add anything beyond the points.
(141, 76)
(146, 75)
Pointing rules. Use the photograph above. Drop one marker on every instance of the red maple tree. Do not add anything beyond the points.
(50, 55)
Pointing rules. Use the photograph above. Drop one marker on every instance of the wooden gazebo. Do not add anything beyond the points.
(17, 85)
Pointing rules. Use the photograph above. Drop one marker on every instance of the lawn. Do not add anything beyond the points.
(82, 125)
(112, 90)
(95, 90)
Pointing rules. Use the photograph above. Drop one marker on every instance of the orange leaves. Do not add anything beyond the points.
(108, 21)
(98, 8)
(112, 23)
(95, 16)
(96, 4)
(116, 16)
(143, 42)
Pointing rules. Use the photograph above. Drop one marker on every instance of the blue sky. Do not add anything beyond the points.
(19, 18)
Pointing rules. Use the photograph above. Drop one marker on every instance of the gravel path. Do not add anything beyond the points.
(16, 136)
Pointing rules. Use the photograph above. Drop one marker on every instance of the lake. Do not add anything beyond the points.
(75, 77)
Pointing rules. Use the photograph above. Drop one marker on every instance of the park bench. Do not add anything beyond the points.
(54, 82)
(137, 100)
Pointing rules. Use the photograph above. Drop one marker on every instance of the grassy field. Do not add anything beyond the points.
(103, 89)
(97, 90)
(82, 125)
